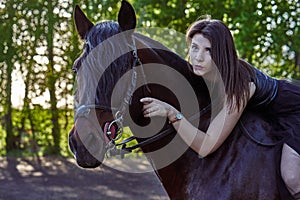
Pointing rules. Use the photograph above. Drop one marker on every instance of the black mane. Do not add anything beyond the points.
(109, 35)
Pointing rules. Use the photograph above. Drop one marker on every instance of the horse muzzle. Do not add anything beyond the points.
(89, 151)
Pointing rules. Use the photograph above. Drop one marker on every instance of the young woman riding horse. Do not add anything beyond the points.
(212, 51)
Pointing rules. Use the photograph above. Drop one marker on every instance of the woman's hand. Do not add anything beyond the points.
(154, 107)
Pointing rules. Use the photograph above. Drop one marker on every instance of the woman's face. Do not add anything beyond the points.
(200, 55)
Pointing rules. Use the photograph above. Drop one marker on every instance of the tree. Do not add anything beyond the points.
(7, 65)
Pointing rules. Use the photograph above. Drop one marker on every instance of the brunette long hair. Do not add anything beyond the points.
(235, 72)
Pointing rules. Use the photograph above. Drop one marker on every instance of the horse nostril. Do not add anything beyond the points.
(72, 140)
(72, 144)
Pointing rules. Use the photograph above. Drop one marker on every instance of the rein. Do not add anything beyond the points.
(266, 144)
(170, 129)
(114, 151)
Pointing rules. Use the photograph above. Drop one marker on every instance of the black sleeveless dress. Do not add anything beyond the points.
(280, 100)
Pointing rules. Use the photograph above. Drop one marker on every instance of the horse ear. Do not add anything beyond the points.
(83, 24)
(127, 17)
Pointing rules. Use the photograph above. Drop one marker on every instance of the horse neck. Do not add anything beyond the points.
(174, 174)
(151, 51)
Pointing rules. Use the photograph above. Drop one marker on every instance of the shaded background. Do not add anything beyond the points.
(57, 178)
(38, 45)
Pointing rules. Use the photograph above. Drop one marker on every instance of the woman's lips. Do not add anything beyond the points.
(198, 67)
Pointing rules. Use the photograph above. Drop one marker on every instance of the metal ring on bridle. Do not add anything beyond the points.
(119, 121)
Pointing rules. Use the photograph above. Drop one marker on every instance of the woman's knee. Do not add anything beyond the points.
(291, 180)
(290, 168)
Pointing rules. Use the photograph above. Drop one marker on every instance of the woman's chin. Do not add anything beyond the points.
(198, 72)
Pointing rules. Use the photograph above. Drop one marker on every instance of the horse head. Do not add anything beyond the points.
(106, 56)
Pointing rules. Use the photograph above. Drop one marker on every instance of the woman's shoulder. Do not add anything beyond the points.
(260, 78)
(265, 88)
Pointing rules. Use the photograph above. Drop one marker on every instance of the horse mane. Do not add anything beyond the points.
(100, 66)
(168, 56)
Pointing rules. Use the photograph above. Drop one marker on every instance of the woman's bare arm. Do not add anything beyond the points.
(201, 142)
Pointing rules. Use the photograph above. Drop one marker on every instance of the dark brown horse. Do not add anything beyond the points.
(117, 68)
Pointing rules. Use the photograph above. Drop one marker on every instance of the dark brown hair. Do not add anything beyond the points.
(236, 73)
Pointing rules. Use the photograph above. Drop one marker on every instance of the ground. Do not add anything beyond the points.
(60, 178)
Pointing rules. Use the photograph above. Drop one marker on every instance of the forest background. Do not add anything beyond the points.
(39, 43)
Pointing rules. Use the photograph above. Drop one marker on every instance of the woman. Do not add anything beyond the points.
(212, 51)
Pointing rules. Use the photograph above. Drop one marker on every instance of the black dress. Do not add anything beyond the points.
(279, 100)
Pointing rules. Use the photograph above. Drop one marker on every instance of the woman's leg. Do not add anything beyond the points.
(290, 170)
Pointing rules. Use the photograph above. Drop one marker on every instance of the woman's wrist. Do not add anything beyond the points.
(171, 111)
(173, 114)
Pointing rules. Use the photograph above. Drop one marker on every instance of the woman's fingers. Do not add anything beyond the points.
(149, 106)
(147, 100)
(148, 103)
(149, 109)
(154, 107)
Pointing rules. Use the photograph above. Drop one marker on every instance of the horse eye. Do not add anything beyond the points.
(76, 65)
(74, 69)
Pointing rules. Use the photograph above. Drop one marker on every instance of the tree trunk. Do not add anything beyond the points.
(9, 64)
(52, 80)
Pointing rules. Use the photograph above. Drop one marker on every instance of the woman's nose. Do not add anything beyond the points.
(199, 56)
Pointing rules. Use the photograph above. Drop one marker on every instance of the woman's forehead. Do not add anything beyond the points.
(200, 40)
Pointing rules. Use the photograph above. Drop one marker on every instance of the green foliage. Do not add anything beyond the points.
(2, 141)
(39, 44)
(35, 137)
(266, 33)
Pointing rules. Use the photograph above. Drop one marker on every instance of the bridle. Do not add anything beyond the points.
(84, 111)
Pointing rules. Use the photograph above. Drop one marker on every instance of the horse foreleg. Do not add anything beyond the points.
(290, 170)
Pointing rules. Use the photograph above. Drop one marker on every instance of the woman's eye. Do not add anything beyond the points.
(208, 50)
(193, 47)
